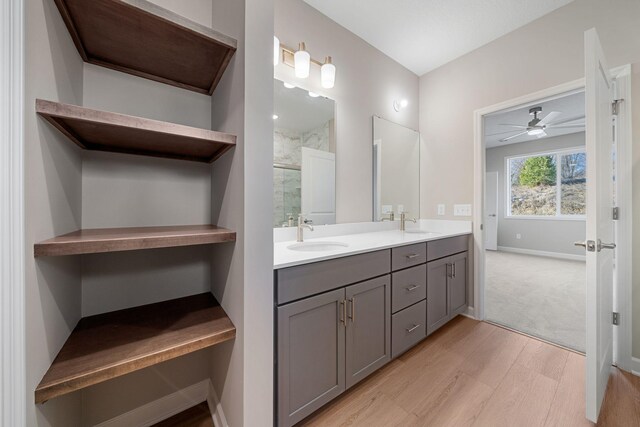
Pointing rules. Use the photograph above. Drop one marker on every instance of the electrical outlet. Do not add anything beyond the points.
(441, 209)
(518, 236)
(462, 210)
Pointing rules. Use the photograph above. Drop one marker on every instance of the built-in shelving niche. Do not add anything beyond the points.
(146, 40)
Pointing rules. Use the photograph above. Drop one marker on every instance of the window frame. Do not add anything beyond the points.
(558, 216)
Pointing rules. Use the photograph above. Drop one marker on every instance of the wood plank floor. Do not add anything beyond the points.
(476, 374)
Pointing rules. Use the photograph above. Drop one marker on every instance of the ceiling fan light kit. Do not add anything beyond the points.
(538, 127)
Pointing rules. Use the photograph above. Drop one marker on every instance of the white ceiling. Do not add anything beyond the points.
(425, 34)
(297, 110)
(569, 106)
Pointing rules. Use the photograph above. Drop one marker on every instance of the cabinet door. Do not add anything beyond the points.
(458, 284)
(437, 297)
(311, 355)
(368, 327)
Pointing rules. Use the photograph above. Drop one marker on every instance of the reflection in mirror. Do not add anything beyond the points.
(304, 160)
(396, 170)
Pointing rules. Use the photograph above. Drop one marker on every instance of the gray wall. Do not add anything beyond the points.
(367, 83)
(498, 72)
(53, 167)
(548, 235)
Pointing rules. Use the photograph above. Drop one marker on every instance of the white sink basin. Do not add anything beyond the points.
(414, 231)
(317, 246)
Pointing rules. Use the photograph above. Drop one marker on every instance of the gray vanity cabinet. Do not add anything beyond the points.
(446, 289)
(368, 328)
(458, 283)
(311, 354)
(437, 301)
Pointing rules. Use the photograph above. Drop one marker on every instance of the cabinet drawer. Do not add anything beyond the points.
(408, 287)
(408, 256)
(305, 280)
(445, 247)
(408, 328)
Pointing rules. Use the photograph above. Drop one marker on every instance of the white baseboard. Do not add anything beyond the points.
(170, 405)
(557, 255)
(635, 366)
(471, 313)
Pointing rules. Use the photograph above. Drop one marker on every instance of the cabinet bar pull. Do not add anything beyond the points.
(413, 328)
(343, 312)
(453, 269)
(352, 302)
(412, 288)
(412, 256)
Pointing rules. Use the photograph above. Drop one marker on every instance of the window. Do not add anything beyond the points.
(551, 185)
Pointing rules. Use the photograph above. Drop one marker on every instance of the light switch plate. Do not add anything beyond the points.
(462, 210)
(441, 209)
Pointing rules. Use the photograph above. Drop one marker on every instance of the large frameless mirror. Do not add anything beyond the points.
(396, 170)
(304, 159)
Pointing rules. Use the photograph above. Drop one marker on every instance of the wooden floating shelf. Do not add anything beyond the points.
(113, 132)
(196, 416)
(109, 345)
(143, 39)
(101, 240)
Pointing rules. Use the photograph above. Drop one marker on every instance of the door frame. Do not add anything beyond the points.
(497, 175)
(12, 293)
(622, 334)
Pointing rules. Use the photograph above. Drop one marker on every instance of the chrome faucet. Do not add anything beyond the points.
(302, 224)
(390, 218)
(404, 219)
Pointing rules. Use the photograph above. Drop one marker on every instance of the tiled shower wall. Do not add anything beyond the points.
(287, 149)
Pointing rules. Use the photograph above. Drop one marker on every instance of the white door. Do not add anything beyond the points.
(318, 191)
(600, 229)
(491, 212)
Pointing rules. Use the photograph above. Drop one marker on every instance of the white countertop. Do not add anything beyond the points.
(360, 238)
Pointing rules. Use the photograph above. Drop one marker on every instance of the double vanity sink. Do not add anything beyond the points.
(352, 297)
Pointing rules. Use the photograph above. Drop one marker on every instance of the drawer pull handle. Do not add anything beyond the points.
(412, 256)
(412, 288)
(413, 328)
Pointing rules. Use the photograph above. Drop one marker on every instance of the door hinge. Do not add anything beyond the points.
(616, 318)
(481, 227)
(615, 106)
(616, 213)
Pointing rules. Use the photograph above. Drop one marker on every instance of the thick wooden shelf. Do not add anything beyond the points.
(143, 39)
(109, 345)
(106, 131)
(100, 240)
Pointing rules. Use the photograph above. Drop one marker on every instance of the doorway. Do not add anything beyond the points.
(622, 301)
(535, 209)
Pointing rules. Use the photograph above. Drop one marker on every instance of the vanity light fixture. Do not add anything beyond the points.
(328, 74)
(288, 85)
(302, 62)
(313, 94)
(276, 50)
(400, 104)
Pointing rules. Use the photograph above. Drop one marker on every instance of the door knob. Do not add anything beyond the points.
(602, 246)
(589, 245)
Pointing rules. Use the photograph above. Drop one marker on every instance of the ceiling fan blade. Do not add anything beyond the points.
(513, 126)
(570, 119)
(577, 125)
(502, 133)
(513, 136)
(549, 117)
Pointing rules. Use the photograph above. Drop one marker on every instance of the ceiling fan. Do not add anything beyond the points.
(538, 126)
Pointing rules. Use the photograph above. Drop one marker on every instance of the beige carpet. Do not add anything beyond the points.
(543, 297)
